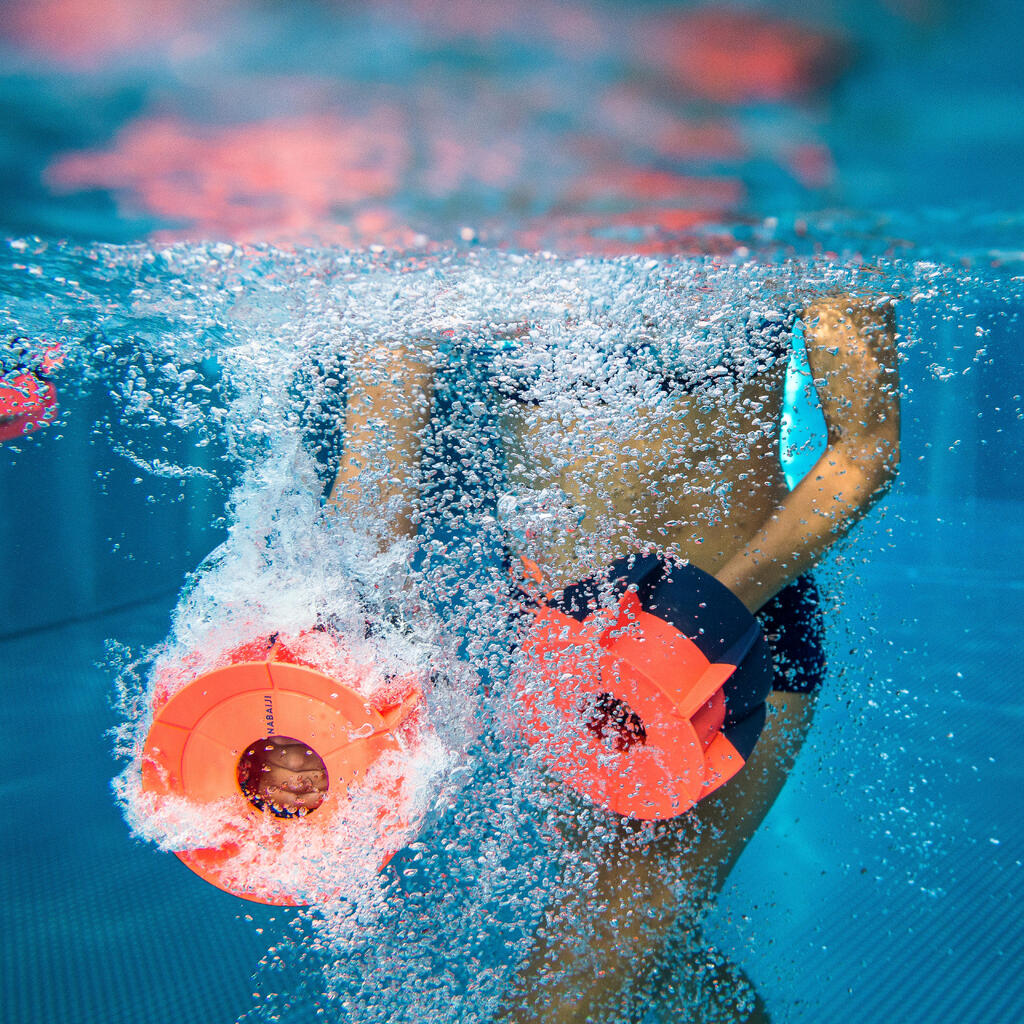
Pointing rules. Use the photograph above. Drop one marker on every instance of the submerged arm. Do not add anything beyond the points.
(390, 399)
(630, 907)
(851, 346)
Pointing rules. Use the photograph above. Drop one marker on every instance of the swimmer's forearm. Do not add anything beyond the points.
(595, 941)
(851, 347)
(376, 487)
(843, 485)
(388, 409)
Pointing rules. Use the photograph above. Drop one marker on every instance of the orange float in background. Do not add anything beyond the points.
(738, 56)
(28, 400)
(271, 688)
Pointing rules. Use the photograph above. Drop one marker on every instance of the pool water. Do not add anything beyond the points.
(884, 882)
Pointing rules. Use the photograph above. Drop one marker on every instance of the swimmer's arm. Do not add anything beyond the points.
(594, 940)
(391, 394)
(851, 346)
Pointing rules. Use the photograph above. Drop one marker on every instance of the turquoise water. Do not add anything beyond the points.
(885, 879)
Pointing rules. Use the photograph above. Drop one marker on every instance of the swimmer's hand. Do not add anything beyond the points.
(284, 775)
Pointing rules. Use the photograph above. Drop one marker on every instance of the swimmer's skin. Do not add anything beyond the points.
(651, 492)
(852, 351)
(291, 777)
(384, 426)
(757, 548)
(851, 345)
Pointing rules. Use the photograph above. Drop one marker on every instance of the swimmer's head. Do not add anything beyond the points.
(282, 775)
